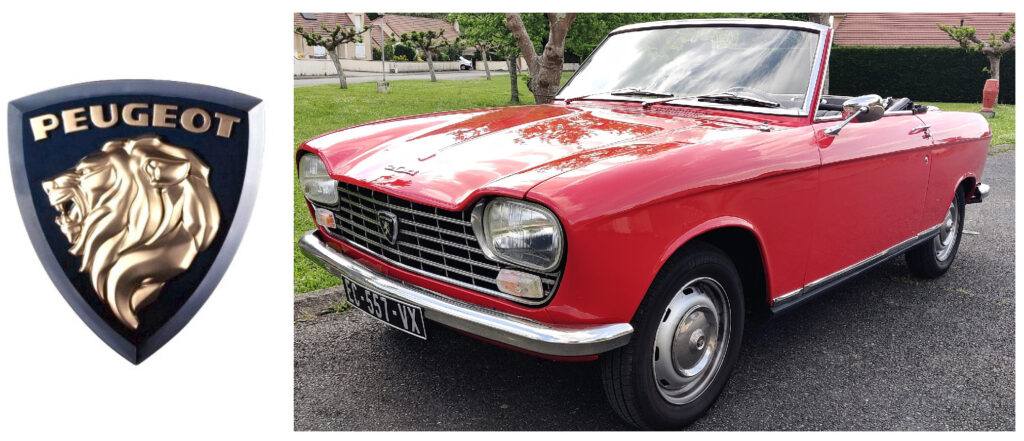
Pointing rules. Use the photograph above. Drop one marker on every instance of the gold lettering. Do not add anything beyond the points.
(73, 119)
(163, 115)
(129, 117)
(188, 120)
(43, 124)
(225, 123)
(96, 115)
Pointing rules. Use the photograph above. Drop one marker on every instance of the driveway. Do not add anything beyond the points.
(364, 77)
(882, 352)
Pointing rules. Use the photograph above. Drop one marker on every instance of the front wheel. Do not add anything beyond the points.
(688, 334)
(933, 258)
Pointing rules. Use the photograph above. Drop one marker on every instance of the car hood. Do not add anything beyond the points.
(446, 159)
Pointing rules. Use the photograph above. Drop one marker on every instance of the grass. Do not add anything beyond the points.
(1003, 125)
(323, 108)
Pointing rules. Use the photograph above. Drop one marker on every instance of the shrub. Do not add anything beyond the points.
(943, 74)
(405, 51)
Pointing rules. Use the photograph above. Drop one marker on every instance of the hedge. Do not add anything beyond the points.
(938, 74)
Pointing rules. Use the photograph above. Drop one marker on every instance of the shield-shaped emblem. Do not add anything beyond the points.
(387, 223)
(135, 194)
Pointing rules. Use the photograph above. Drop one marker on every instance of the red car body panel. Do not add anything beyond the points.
(632, 185)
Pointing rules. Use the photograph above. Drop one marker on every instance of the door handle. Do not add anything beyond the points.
(926, 129)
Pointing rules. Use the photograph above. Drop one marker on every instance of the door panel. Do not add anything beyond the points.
(874, 177)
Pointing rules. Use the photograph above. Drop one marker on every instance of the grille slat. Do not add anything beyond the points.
(407, 210)
(430, 241)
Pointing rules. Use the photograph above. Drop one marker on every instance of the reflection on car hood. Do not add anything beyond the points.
(446, 159)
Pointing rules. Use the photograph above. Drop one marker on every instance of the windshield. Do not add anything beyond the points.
(754, 63)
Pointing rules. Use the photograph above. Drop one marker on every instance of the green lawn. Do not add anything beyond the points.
(1003, 125)
(323, 108)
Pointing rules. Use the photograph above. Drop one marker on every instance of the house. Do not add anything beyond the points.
(917, 29)
(395, 25)
(312, 22)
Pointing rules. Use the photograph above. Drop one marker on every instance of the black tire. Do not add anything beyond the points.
(628, 373)
(926, 260)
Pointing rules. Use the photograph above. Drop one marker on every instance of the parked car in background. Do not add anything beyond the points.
(691, 174)
(465, 64)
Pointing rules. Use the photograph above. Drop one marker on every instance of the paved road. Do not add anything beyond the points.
(364, 77)
(882, 352)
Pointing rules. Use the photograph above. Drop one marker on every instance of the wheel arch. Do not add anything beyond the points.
(742, 242)
(967, 183)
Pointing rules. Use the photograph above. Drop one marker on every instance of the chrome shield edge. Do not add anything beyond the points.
(497, 326)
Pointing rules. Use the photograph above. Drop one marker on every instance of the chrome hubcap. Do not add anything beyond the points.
(948, 230)
(691, 340)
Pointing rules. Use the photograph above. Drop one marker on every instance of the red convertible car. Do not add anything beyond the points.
(690, 174)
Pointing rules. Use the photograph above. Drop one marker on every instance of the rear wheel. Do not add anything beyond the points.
(687, 339)
(933, 258)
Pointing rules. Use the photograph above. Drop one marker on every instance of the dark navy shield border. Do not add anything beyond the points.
(254, 108)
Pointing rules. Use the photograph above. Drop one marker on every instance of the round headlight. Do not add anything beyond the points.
(316, 184)
(520, 233)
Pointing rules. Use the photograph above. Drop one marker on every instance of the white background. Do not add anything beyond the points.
(229, 371)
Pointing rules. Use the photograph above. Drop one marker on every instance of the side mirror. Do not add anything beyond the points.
(865, 108)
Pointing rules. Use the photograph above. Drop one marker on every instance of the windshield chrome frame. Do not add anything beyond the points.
(812, 87)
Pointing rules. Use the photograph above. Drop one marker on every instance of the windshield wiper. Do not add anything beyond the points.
(732, 98)
(627, 91)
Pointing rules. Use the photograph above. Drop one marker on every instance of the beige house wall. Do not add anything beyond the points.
(346, 51)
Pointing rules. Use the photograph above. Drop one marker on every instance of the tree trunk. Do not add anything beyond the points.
(487, 66)
(545, 69)
(993, 67)
(513, 75)
(430, 65)
(337, 65)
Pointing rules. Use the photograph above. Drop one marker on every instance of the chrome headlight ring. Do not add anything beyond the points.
(520, 233)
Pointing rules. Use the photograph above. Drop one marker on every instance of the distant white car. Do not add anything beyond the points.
(465, 64)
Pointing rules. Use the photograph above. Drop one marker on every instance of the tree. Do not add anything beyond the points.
(482, 32)
(506, 46)
(428, 43)
(333, 38)
(545, 69)
(994, 48)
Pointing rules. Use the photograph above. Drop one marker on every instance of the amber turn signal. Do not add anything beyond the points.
(324, 217)
(520, 284)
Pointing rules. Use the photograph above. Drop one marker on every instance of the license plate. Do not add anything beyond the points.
(396, 313)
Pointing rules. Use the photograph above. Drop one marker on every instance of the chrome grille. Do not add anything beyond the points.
(433, 242)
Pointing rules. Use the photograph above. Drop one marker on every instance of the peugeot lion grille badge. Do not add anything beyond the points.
(387, 222)
(135, 194)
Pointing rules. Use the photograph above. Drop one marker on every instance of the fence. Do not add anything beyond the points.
(305, 67)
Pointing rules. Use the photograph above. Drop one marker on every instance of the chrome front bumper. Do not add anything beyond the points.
(980, 193)
(541, 338)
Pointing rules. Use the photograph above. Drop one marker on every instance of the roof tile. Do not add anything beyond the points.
(918, 29)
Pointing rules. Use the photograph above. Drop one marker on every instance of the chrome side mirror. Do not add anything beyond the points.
(865, 108)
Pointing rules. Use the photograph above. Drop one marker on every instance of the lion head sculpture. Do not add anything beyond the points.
(137, 211)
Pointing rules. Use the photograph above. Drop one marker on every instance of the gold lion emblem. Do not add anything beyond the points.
(137, 211)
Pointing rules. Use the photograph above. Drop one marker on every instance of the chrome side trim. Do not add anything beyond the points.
(542, 338)
(787, 296)
(863, 264)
